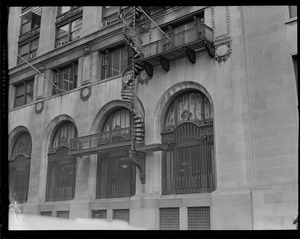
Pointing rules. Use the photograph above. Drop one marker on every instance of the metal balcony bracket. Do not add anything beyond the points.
(148, 68)
(164, 62)
(210, 48)
(190, 54)
(138, 159)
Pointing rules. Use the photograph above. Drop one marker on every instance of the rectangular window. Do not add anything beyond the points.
(198, 218)
(121, 214)
(27, 25)
(293, 11)
(169, 218)
(24, 93)
(68, 31)
(65, 78)
(46, 213)
(62, 214)
(102, 214)
(114, 62)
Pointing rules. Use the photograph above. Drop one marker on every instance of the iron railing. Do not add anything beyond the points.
(117, 189)
(104, 138)
(198, 33)
(60, 194)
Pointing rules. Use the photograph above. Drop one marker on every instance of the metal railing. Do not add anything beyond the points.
(198, 33)
(104, 138)
(188, 184)
(117, 189)
(59, 194)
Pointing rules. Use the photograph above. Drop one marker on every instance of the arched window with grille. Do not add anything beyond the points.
(115, 172)
(61, 174)
(188, 162)
(19, 167)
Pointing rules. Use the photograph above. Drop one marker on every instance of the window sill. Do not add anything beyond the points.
(290, 20)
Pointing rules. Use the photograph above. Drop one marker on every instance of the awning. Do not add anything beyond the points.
(33, 10)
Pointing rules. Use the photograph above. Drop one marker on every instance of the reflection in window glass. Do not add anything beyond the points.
(75, 28)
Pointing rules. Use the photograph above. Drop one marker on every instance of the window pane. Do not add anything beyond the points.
(115, 66)
(75, 28)
(121, 214)
(36, 21)
(26, 26)
(24, 49)
(62, 10)
(62, 214)
(20, 89)
(293, 11)
(35, 44)
(62, 35)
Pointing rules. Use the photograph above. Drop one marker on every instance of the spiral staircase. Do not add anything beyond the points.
(129, 75)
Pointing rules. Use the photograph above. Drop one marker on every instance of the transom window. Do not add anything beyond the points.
(115, 172)
(24, 93)
(187, 165)
(61, 174)
(66, 78)
(19, 168)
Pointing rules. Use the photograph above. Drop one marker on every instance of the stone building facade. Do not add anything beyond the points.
(216, 115)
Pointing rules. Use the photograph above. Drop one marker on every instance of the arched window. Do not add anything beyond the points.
(61, 175)
(187, 165)
(19, 167)
(115, 172)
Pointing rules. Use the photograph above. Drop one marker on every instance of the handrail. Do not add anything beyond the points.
(133, 93)
(199, 34)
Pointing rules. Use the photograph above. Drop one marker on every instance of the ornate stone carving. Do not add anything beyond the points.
(29, 34)
(87, 50)
(213, 18)
(39, 106)
(85, 93)
(223, 47)
(228, 19)
(143, 77)
(68, 14)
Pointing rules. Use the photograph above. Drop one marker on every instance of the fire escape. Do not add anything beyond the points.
(143, 57)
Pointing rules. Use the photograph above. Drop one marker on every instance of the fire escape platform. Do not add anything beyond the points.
(196, 38)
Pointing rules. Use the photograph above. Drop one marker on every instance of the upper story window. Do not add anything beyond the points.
(29, 33)
(19, 167)
(188, 165)
(68, 25)
(65, 78)
(114, 62)
(61, 173)
(293, 11)
(185, 31)
(64, 9)
(24, 92)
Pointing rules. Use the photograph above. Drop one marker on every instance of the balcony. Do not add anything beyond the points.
(101, 142)
(185, 42)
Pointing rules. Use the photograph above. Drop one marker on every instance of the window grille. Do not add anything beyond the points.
(61, 174)
(99, 214)
(198, 218)
(116, 173)
(169, 218)
(188, 161)
(62, 214)
(121, 214)
(46, 213)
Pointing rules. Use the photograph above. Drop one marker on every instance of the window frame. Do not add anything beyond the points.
(58, 80)
(108, 56)
(25, 94)
(189, 147)
(19, 164)
(58, 161)
(65, 19)
(293, 11)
